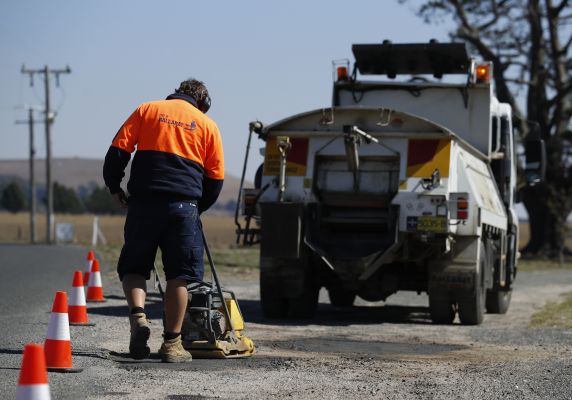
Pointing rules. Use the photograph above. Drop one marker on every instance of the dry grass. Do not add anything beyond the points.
(540, 265)
(230, 263)
(554, 314)
(16, 228)
(219, 230)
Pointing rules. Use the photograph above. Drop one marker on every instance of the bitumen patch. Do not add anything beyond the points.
(127, 363)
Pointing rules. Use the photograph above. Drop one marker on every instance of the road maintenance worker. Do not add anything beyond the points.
(177, 173)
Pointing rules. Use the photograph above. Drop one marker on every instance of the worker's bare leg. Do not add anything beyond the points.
(176, 298)
(135, 289)
(175, 305)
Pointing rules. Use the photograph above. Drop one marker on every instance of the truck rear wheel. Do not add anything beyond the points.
(498, 301)
(442, 310)
(472, 308)
(304, 305)
(273, 306)
(340, 297)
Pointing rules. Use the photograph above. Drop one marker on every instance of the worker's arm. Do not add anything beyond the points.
(214, 170)
(113, 169)
(119, 152)
(211, 191)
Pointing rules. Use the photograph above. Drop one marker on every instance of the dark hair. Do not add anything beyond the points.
(194, 88)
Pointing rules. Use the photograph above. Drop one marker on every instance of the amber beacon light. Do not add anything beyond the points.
(342, 72)
(483, 73)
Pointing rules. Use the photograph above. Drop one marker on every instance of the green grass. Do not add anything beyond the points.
(542, 265)
(554, 314)
(235, 258)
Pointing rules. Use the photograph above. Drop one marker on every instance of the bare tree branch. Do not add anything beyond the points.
(563, 108)
(519, 81)
(461, 14)
(488, 24)
(558, 9)
(566, 47)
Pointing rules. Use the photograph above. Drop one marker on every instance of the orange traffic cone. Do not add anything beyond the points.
(94, 289)
(88, 265)
(33, 382)
(77, 311)
(58, 344)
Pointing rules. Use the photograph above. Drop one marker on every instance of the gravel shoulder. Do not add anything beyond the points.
(373, 350)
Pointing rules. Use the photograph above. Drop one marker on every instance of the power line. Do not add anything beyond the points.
(48, 119)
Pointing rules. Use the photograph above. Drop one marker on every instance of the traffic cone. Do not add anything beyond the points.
(94, 289)
(77, 309)
(88, 265)
(33, 382)
(58, 344)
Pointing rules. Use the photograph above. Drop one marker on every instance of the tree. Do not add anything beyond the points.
(66, 200)
(101, 202)
(13, 198)
(529, 42)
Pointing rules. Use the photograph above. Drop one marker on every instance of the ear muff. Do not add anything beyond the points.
(205, 104)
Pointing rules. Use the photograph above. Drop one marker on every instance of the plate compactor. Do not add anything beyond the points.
(213, 323)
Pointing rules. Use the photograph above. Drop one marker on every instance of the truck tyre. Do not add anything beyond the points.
(273, 306)
(442, 310)
(498, 301)
(304, 305)
(340, 297)
(472, 308)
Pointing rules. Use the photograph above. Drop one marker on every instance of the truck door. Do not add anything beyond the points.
(503, 149)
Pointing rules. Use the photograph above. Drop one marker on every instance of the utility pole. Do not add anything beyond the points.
(32, 195)
(32, 179)
(48, 119)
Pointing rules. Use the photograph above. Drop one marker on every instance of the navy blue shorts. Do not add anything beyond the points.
(172, 226)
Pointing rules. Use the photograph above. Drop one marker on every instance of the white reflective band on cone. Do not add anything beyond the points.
(95, 279)
(59, 327)
(33, 392)
(88, 265)
(77, 297)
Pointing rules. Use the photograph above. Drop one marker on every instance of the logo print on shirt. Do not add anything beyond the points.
(164, 119)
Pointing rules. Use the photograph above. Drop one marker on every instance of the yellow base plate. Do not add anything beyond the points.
(243, 347)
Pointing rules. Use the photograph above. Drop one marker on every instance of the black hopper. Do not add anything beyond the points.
(391, 59)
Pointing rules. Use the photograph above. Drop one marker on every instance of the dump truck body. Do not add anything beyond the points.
(397, 186)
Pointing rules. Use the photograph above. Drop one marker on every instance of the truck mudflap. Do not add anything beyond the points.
(281, 229)
(285, 278)
(452, 277)
(284, 258)
(457, 272)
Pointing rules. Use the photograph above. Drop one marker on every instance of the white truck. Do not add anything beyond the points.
(399, 185)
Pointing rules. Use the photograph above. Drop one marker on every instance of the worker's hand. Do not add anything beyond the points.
(120, 198)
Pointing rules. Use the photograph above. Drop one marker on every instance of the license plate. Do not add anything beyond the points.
(432, 224)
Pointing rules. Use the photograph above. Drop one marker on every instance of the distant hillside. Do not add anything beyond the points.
(83, 173)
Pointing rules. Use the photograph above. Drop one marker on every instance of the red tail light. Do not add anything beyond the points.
(459, 206)
(462, 208)
(462, 214)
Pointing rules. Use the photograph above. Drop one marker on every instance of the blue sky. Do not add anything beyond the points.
(260, 60)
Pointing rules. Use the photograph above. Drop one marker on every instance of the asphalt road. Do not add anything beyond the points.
(373, 350)
(30, 276)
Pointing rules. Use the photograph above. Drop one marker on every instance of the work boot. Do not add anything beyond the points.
(140, 333)
(172, 351)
